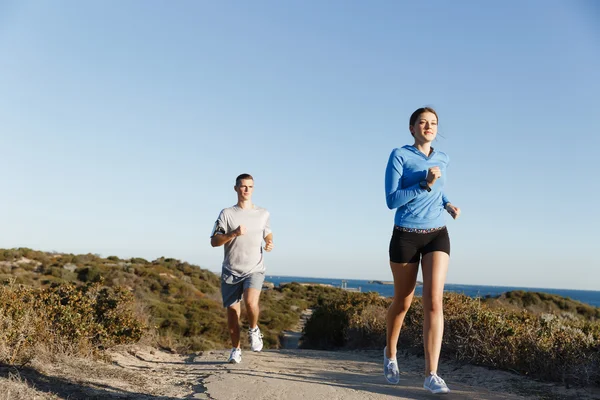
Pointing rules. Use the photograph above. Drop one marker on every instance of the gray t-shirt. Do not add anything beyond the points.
(243, 254)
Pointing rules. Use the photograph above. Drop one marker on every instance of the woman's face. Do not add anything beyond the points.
(425, 128)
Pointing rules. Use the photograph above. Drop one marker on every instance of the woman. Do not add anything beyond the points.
(414, 179)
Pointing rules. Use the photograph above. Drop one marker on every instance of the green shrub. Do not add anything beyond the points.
(66, 318)
(89, 274)
(544, 346)
(544, 303)
(333, 315)
(182, 300)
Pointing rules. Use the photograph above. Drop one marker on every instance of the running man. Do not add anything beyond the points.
(242, 229)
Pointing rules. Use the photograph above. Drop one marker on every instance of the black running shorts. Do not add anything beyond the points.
(408, 247)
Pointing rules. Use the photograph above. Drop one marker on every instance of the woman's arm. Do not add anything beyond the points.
(395, 196)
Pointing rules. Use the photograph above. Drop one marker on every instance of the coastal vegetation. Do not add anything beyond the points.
(66, 319)
(539, 303)
(82, 304)
(176, 305)
(560, 346)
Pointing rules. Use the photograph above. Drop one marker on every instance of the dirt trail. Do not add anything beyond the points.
(310, 374)
(143, 373)
(291, 339)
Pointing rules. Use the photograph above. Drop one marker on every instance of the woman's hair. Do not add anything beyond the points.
(417, 114)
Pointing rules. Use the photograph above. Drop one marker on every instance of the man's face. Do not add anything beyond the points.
(244, 189)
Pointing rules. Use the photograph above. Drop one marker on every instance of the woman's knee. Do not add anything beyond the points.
(399, 306)
(434, 304)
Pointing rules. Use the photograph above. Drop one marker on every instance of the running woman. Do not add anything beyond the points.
(414, 182)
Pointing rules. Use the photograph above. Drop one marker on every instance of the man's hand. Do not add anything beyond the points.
(452, 210)
(432, 175)
(269, 245)
(241, 230)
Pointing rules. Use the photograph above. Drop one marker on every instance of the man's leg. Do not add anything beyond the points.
(251, 298)
(252, 287)
(232, 295)
(233, 323)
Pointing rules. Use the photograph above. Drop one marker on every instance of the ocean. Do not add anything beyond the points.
(591, 297)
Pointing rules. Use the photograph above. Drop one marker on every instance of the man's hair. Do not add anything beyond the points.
(238, 180)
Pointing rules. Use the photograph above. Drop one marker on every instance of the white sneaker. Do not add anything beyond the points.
(236, 356)
(435, 384)
(390, 369)
(255, 337)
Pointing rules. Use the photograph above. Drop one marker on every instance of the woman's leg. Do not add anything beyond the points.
(435, 267)
(405, 279)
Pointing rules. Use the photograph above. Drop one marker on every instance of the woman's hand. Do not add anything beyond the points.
(432, 175)
(453, 210)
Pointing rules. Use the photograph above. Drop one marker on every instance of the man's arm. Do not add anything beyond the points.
(269, 242)
(219, 239)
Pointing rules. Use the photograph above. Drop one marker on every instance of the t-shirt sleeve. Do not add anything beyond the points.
(267, 228)
(220, 227)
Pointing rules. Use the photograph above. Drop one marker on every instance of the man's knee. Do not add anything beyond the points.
(251, 297)
(234, 310)
(252, 305)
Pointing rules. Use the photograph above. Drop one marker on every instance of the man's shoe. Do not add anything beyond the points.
(236, 356)
(255, 337)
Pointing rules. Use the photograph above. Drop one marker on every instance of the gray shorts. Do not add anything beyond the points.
(232, 288)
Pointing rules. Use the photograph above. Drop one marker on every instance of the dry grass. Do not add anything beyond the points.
(179, 300)
(544, 346)
(51, 338)
(54, 376)
(15, 388)
(63, 320)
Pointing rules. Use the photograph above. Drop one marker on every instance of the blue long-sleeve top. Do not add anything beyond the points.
(415, 206)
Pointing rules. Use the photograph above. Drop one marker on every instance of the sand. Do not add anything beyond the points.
(140, 373)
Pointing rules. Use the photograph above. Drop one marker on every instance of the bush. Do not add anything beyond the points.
(335, 318)
(544, 303)
(89, 274)
(64, 318)
(183, 300)
(544, 346)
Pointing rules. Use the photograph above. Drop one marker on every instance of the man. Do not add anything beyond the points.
(242, 229)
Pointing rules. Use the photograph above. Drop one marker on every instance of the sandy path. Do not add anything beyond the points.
(307, 374)
(329, 375)
(143, 373)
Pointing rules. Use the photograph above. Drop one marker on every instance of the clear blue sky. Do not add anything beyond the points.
(123, 125)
